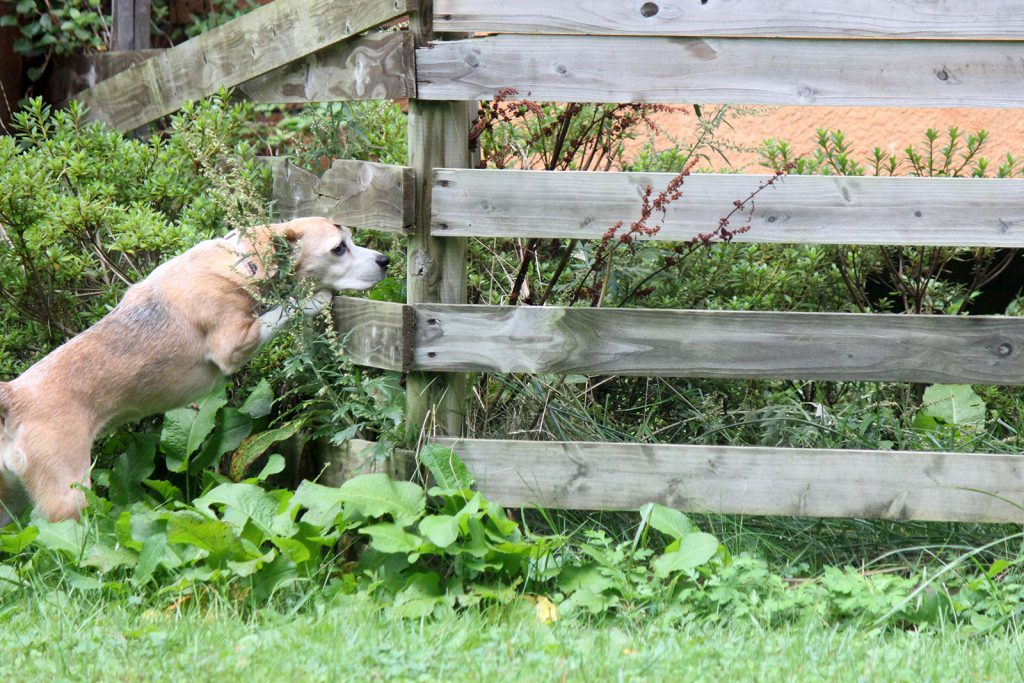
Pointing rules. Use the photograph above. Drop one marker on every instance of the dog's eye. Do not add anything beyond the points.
(340, 249)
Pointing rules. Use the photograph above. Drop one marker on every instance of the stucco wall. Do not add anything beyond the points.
(892, 129)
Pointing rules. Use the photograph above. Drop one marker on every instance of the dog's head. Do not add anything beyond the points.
(326, 254)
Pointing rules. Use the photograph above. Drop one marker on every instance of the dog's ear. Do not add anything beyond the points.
(292, 234)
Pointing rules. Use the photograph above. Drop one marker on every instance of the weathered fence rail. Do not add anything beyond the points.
(355, 193)
(940, 19)
(749, 480)
(252, 45)
(923, 53)
(736, 70)
(673, 343)
(799, 209)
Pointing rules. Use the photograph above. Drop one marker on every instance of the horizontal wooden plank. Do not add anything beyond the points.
(979, 212)
(375, 333)
(373, 67)
(262, 40)
(720, 344)
(360, 194)
(725, 70)
(897, 485)
(352, 458)
(949, 19)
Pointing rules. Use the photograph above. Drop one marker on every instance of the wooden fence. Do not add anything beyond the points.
(922, 53)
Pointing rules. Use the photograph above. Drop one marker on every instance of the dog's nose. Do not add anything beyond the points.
(383, 261)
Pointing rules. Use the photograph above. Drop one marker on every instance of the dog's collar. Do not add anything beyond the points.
(247, 263)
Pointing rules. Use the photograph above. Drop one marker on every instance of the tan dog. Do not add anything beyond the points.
(170, 340)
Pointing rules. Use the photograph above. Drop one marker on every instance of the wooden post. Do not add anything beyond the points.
(438, 137)
(131, 25)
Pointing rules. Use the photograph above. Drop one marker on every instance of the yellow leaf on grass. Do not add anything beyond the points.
(546, 610)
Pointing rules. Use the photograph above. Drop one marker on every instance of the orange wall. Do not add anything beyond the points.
(890, 128)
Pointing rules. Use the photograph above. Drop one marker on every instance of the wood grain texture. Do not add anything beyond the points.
(721, 344)
(436, 268)
(372, 67)
(355, 457)
(979, 212)
(375, 333)
(78, 72)
(130, 19)
(262, 40)
(360, 194)
(752, 481)
(1003, 19)
(726, 70)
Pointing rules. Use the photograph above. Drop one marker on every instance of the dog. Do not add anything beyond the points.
(173, 337)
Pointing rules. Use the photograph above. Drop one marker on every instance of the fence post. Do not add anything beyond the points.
(438, 137)
(131, 25)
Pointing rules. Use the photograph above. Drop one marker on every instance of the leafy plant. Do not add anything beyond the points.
(912, 279)
(56, 29)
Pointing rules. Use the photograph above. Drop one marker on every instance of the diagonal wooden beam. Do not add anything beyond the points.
(263, 40)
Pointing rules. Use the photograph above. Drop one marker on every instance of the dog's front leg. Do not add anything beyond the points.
(276, 319)
(233, 343)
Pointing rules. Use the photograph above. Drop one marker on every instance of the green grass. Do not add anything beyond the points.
(53, 637)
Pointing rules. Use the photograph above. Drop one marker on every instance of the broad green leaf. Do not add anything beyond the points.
(168, 491)
(272, 576)
(106, 557)
(925, 423)
(257, 444)
(275, 465)
(231, 429)
(296, 551)
(441, 530)
(17, 540)
(130, 469)
(153, 548)
(388, 537)
(323, 503)
(375, 495)
(211, 535)
(954, 404)
(67, 536)
(997, 568)
(420, 597)
(590, 577)
(185, 429)
(255, 504)
(260, 401)
(694, 550)
(595, 603)
(447, 469)
(669, 521)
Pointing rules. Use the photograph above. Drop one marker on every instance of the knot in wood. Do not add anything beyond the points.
(649, 9)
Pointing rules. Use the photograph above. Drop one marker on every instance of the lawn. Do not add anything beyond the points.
(80, 638)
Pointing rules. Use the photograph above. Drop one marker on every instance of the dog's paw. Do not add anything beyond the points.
(316, 303)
